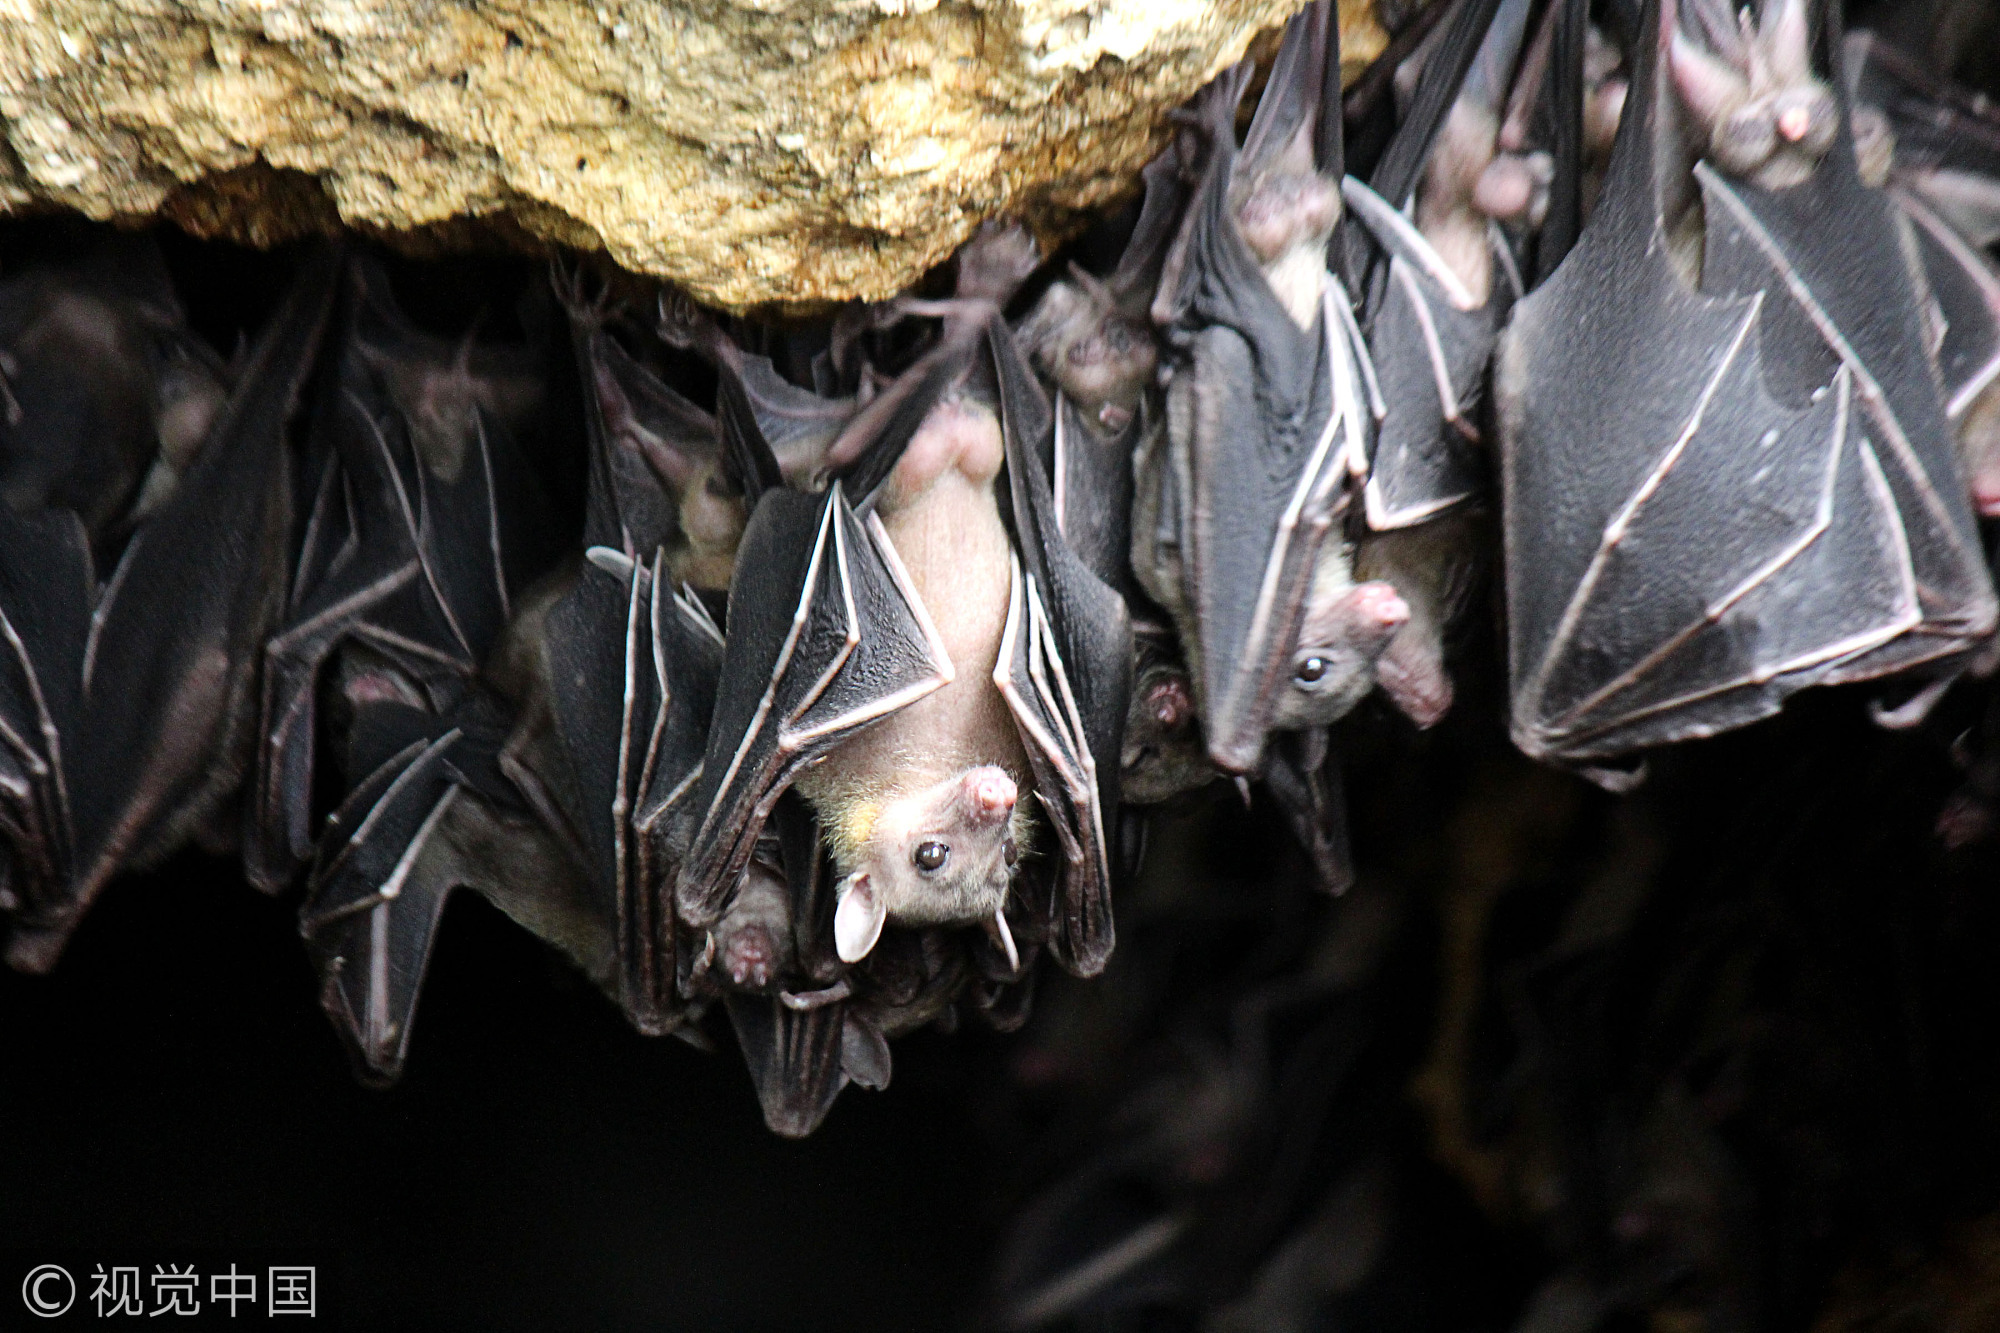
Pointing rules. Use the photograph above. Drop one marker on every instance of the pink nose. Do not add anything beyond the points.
(1986, 494)
(990, 793)
(1379, 607)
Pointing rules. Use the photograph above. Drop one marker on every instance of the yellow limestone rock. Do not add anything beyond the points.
(750, 150)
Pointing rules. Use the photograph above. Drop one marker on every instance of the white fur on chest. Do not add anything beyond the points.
(941, 511)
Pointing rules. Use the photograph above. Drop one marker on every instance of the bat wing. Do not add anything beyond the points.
(368, 920)
(1065, 670)
(1683, 549)
(166, 711)
(411, 561)
(434, 817)
(1429, 343)
(647, 443)
(1305, 778)
(45, 601)
(826, 635)
(633, 672)
(794, 1058)
(1844, 298)
(1966, 287)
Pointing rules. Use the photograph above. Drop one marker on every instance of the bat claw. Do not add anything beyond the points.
(1912, 711)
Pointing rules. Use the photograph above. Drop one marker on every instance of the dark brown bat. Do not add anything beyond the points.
(1759, 492)
(420, 508)
(1095, 347)
(1235, 525)
(1449, 279)
(128, 662)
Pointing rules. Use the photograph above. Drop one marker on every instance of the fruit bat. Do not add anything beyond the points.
(1235, 520)
(429, 813)
(1935, 147)
(1093, 343)
(469, 718)
(1435, 312)
(412, 544)
(627, 660)
(1758, 491)
(916, 647)
(143, 548)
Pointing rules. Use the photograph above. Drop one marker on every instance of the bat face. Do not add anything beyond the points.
(754, 948)
(1761, 112)
(1099, 356)
(941, 856)
(1162, 753)
(1346, 629)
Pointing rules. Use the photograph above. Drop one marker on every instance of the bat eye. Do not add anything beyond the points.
(1010, 853)
(1311, 670)
(930, 856)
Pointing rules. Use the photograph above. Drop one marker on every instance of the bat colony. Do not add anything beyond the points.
(848, 695)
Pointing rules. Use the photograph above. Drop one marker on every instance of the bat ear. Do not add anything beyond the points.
(858, 920)
(1786, 43)
(1711, 88)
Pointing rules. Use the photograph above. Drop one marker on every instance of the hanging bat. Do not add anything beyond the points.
(1758, 493)
(1907, 127)
(1450, 275)
(1092, 342)
(126, 681)
(413, 545)
(450, 706)
(1235, 520)
(915, 657)
(626, 663)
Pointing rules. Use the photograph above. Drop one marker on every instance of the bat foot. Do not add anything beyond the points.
(1913, 710)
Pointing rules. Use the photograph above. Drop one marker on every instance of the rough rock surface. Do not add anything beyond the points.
(752, 150)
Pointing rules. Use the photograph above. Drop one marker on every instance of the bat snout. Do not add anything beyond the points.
(990, 794)
(1378, 610)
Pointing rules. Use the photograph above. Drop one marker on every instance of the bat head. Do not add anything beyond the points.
(1162, 754)
(943, 855)
(1514, 188)
(1100, 356)
(1765, 116)
(753, 940)
(1333, 662)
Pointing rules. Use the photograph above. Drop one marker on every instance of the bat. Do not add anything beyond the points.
(476, 745)
(1093, 344)
(411, 545)
(913, 655)
(1759, 494)
(1450, 276)
(625, 664)
(1235, 518)
(1933, 145)
(133, 620)
(1162, 753)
